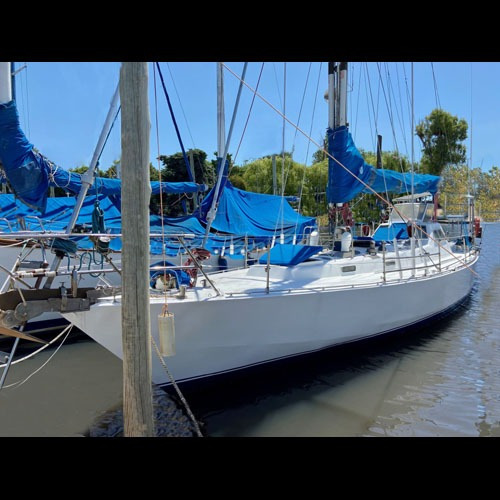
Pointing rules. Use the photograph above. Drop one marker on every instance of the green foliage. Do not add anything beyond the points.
(258, 175)
(314, 191)
(441, 135)
(458, 181)
(319, 155)
(154, 174)
(238, 181)
(391, 160)
(174, 168)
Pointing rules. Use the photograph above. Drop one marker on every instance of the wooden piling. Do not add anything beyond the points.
(136, 192)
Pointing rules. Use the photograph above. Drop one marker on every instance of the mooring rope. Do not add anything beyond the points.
(176, 387)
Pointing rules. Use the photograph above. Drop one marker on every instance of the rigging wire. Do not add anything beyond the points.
(403, 128)
(67, 330)
(391, 121)
(436, 94)
(298, 121)
(277, 84)
(369, 99)
(248, 118)
(408, 98)
(282, 206)
(308, 145)
(165, 305)
(27, 100)
(180, 104)
(400, 122)
(285, 180)
(106, 140)
(357, 103)
(186, 161)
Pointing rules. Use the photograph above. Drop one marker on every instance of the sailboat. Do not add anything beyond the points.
(303, 298)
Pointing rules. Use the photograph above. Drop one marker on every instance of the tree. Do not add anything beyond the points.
(441, 134)
(258, 175)
(391, 160)
(459, 181)
(112, 171)
(313, 199)
(174, 168)
(238, 181)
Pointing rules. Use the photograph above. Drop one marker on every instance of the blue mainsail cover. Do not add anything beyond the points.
(244, 212)
(25, 168)
(343, 187)
(30, 174)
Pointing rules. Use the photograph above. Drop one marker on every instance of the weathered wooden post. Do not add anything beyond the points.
(136, 192)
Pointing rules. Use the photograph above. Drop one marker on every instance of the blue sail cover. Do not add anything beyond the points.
(30, 174)
(25, 169)
(72, 182)
(256, 214)
(343, 187)
(290, 255)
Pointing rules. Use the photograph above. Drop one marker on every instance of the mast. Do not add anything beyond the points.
(5, 82)
(342, 94)
(470, 195)
(6, 86)
(331, 94)
(412, 237)
(221, 123)
(332, 69)
(215, 200)
(341, 105)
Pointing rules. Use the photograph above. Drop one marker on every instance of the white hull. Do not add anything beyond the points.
(216, 334)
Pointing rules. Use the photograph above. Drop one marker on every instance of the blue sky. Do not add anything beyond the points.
(63, 106)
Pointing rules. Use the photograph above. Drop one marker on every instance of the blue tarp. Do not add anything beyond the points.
(25, 169)
(388, 233)
(290, 255)
(72, 182)
(343, 187)
(57, 215)
(256, 214)
(59, 209)
(30, 174)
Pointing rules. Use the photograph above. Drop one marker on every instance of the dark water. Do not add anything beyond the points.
(441, 380)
